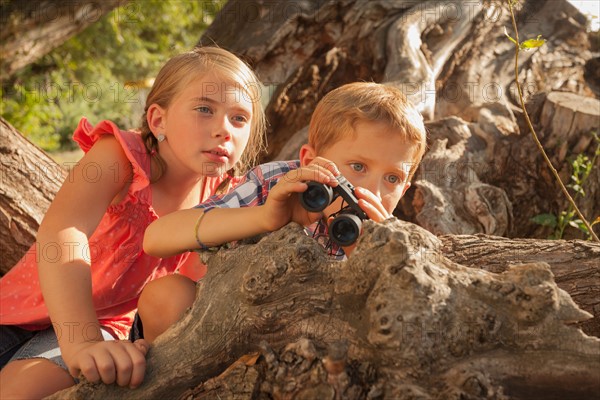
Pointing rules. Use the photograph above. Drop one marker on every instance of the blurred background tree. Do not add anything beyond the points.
(104, 72)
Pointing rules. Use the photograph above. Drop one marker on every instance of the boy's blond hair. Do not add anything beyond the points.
(338, 112)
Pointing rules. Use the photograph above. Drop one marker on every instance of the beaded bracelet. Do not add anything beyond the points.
(202, 245)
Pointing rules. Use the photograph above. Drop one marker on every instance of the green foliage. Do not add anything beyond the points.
(103, 72)
(31, 114)
(532, 43)
(527, 44)
(545, 220)
(582, 167)
(509, 37)
(566, 218)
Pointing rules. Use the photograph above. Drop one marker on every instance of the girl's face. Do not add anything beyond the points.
(207, 126)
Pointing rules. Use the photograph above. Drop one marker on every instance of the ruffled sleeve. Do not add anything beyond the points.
(86, 135)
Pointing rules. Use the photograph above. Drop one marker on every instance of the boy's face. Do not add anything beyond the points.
(376, 159)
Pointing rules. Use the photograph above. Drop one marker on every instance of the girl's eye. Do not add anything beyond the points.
(357, 167)
(393, 179)
(240, 118)
(203, 109)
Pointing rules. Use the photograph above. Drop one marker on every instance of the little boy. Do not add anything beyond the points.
(368, 132)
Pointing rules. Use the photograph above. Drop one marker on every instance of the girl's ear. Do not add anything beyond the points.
(307, 154)
(155, 116)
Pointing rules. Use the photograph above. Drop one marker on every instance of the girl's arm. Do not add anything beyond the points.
(64, 273)
(177, 232)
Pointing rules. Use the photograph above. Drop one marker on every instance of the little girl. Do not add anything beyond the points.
(77, 288)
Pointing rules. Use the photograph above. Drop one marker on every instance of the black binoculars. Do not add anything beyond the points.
(345, 228)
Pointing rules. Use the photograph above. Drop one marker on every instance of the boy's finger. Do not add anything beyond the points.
(374, 213)
(369, 197)
(371, 205)
(311, 173)
(325, 163)
(318, 173)
(287, 186)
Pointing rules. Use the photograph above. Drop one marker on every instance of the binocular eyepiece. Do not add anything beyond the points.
(345, 228)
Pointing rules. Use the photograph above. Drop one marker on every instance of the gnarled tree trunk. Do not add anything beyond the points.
(28, 182)
(409, 315)
(29, 178)
(399, 320)
(31, 29)
(454, 61)
(574, 264)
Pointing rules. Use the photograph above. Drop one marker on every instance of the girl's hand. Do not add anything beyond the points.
(283, 205)
(109, 361)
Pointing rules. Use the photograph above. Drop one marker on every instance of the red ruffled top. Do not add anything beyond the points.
(119, 266)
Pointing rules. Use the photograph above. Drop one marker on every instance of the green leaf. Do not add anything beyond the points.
(577, 223)
(545, 220)
(508, 36)
(578, 189)
(532, 43)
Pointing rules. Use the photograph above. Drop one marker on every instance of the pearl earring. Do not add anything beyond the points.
(161, 138)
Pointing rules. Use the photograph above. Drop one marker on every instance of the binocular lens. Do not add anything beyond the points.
(345, 229)
(317, 197)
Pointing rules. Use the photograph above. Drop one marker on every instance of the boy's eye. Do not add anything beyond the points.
(357, 167)
(393, 179)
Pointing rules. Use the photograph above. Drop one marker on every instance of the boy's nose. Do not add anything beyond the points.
(373, 186)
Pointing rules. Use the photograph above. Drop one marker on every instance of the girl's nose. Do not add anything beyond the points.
(223, 129)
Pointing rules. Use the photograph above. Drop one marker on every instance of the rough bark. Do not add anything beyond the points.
(486, 98)
(31, 29)
(28, 182)
(565, 115)
(397, 320)
(453, 61)
(408, 315)
(574, 264)
(479, 178)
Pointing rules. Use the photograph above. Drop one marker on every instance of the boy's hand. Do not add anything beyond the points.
(109, 361)
(283, 205)
(371, 205)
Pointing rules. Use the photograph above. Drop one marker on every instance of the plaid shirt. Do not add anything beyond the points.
(253, 190)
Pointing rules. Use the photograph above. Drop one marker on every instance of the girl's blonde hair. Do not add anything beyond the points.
(338, 112)
(184, 68)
